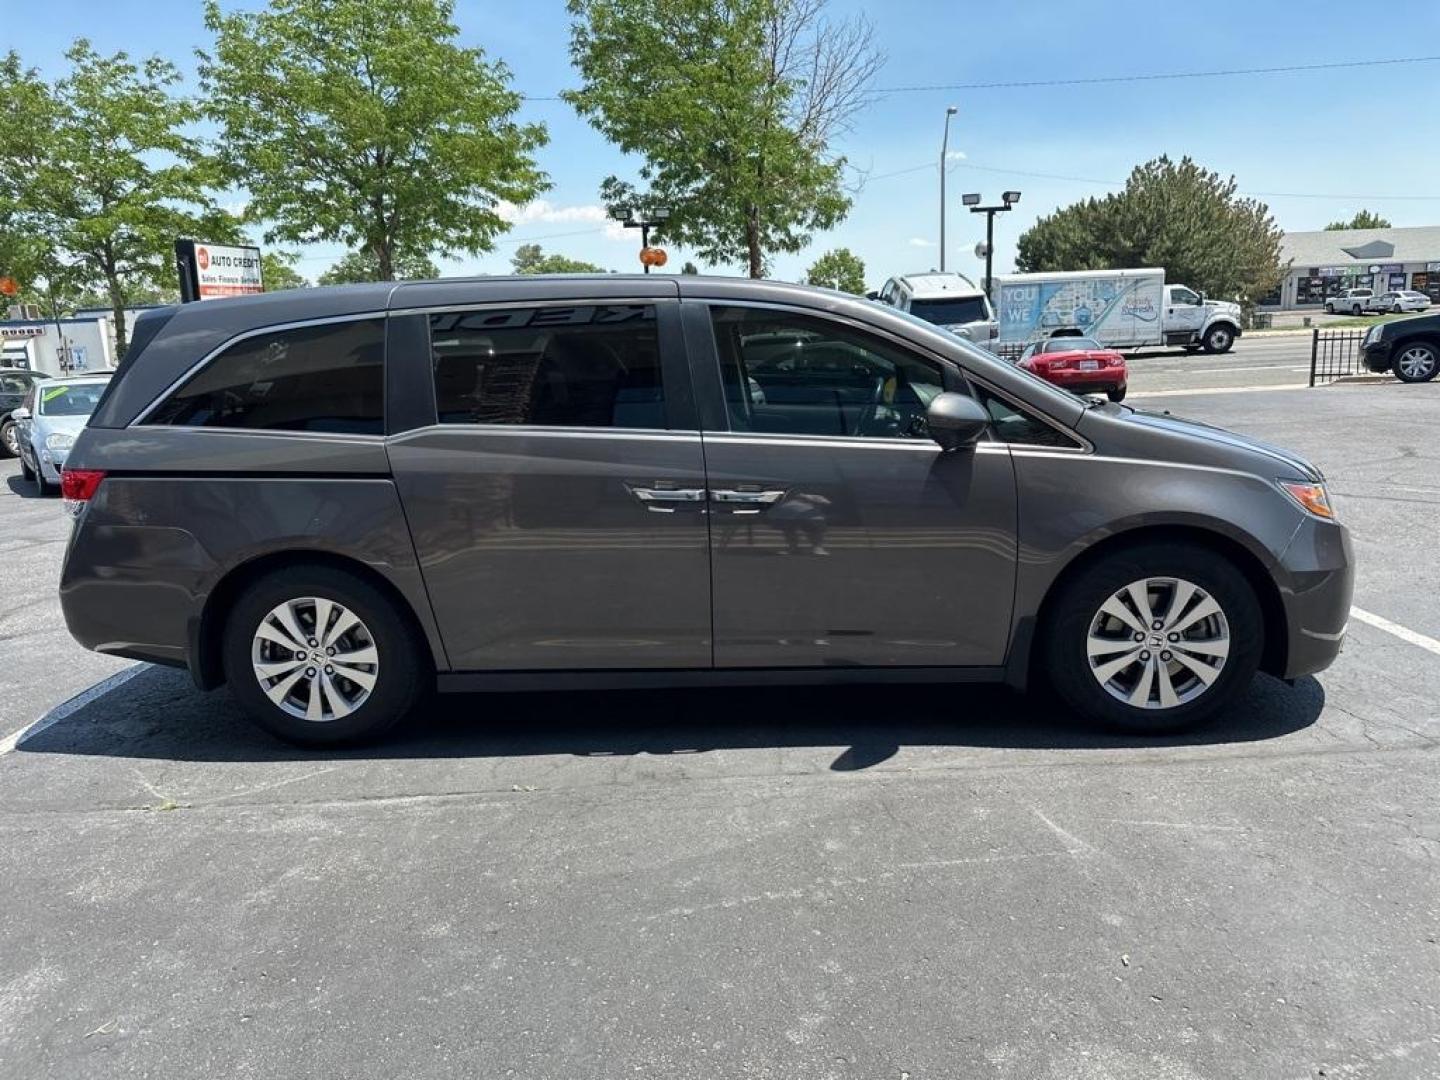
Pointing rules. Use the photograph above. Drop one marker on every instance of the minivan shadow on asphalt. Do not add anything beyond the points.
(18, 485)
(159, 714)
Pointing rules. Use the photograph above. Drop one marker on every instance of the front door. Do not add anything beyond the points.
(1184, 314)
(558, 504)
(841, 534)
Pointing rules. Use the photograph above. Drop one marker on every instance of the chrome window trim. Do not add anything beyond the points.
(548, 431)
(503, 305)
(289, 433)
(204, 361)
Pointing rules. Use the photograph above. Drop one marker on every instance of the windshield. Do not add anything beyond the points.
(947, 311)
(1073, 344)
(70, 399)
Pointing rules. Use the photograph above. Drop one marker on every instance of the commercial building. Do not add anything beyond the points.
(84, 341)
(1325, 264)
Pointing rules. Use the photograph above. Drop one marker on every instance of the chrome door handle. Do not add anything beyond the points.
(652, 495)
(748, 498)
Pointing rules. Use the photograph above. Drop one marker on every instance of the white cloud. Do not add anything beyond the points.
(955, 155)
(546, 211)
(920, 241)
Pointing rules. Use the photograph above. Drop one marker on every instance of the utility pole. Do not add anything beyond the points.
(1008, 201)
(944, 152)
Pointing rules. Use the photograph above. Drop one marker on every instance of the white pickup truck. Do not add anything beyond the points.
(1351, 301)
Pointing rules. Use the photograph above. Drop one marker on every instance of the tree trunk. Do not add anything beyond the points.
(117, 311)
(385, 261)
(752, 241)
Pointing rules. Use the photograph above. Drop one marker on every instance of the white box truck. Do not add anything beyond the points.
(1124, 309)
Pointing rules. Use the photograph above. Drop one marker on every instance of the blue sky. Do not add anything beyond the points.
(1360, 131)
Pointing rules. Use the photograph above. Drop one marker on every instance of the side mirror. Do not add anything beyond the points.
(872, 295)
(955, 421)
(20, 413)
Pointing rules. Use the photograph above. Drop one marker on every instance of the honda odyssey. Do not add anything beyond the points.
(333, 499)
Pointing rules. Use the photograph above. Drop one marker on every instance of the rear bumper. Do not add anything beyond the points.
(1088, 382)
(1316, 586)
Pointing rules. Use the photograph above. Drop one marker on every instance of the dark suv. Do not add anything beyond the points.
(333, 499)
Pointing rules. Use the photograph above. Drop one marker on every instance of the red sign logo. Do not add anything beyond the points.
(202, 257)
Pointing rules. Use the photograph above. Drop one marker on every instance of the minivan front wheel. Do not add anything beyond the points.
(319, 657)
(1155, 639)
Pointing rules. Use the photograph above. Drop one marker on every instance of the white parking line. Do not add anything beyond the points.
(1404, 633)
(1217, 390)
(71, 707)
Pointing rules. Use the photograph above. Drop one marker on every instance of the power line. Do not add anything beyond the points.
(1285, 69)
(1157, 76)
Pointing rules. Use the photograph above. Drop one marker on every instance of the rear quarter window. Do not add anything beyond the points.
(327, 378)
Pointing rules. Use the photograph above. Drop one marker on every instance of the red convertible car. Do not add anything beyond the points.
(1079, 364)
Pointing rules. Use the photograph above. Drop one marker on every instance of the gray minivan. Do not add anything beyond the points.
(334, 499)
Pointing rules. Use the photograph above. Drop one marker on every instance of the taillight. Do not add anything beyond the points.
(78, 486)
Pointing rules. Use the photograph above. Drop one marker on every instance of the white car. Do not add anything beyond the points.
(54, 413)
(1398, 302)
(950, 301)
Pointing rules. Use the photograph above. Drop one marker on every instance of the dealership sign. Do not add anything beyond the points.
(213, 271)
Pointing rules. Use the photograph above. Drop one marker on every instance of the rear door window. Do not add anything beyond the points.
(594, 365)
(327, 378)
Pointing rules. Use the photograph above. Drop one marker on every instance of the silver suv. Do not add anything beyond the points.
(950, 301)
(334, 499)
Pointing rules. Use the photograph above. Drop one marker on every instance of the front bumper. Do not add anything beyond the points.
(1376, 355)
(1316, 584)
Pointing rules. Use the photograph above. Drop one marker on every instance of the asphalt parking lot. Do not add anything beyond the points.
(921, 882)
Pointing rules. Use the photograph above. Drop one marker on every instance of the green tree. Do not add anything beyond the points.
(277, 270)
(733, 105)
(1365, 219)
(1175, 215)
(360, 266)
(363, 122)
(99, 169)
(529, 259)
(838, 269)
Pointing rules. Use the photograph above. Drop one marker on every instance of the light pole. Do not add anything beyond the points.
(1009, 199)
(644, 222)
(944, 150)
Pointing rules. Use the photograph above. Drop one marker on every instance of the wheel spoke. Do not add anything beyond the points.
(1114, 607)
(1168, 698)
(1140, 696)
(315, 710)
(1184, 591)
(346, 620)
(280, 667)
(1202, 610)
(1203, 671)
(360, 678)
(367, 655)
(338, 705)
(1098, 646)
(281, 690)
(323, 608)
(1140, 596)
(285, 616)
(270, 632)
(1107, 671)
(1217, 647)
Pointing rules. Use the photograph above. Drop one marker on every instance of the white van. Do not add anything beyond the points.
(951, 301)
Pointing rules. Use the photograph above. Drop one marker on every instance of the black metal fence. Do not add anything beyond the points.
(1007, 350)
(1334, 354)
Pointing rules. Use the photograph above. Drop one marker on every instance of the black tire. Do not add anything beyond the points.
(1356, 309)
(26, 472)
(43, 487)
(1218, 339)
(1329, 309)
(1427, 363)
(1395, 310)
(1069, 619)
(1116, 395)
(9, 439)
(402, 675)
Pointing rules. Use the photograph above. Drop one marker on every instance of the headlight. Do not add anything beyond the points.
(1373, 334)
(59, 442)
(1312, 498)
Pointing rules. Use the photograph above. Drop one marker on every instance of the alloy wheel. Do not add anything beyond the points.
(315, 659)
(11, 434)
(1416, 362)
(1158, 643)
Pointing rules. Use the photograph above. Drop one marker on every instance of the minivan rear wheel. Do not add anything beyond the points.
(1154, 639)
(320, 657)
